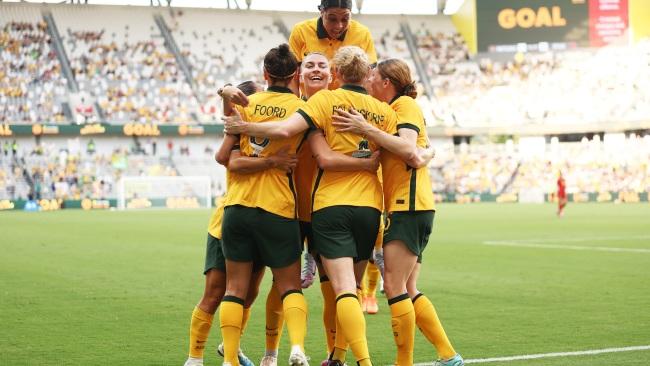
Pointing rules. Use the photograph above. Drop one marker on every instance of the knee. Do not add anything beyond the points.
(214, 292)
(211, 300)
(251, 296)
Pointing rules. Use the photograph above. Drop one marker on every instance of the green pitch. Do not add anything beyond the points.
(116, 288)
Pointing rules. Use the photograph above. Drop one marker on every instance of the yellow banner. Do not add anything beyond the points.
(465, 22)
(640, 19)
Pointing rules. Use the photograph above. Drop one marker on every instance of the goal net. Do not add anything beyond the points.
(164, 192)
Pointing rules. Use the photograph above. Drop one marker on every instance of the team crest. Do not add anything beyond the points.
(363, 150)
(258, 144)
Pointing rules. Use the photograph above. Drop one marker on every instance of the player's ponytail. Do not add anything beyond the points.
(399, 74)
(280, 64)
(352, 64)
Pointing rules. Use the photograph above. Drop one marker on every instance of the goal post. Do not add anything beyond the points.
(164, 192)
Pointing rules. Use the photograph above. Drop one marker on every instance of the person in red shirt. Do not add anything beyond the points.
(561, 195)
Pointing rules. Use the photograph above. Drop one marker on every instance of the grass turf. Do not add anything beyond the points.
(118, 288)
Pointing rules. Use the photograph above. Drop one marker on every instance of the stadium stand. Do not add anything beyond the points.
(120, 61)
(32, 88)
(127, 71)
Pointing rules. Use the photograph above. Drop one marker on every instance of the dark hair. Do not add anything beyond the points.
(280, 63)
(248, 87)
(326, 4)
(399, 74)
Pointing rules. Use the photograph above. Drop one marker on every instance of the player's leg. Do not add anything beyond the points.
(562, 204)
(203, 314)
(429, 324)
(253, 291)
(239, 250)
(329, 308)
(279, 245)
(371, 277)
(399, 261)
(274, 325)
(231, 312)
(295, 309)
(309, 267)
(342, 233)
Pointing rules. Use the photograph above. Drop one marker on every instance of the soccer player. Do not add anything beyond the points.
(410, 207)
(215, 276)
(259, 220)
(315, 76)
(332, 30)
(561, 195)
(345, 204)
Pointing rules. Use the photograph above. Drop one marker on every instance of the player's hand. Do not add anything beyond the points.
(426, 155)
(234, 95)
(283, 160)
(233, 125)
(373, 161)
(351, 121)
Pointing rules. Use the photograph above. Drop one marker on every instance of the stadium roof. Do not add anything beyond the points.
(422, 7)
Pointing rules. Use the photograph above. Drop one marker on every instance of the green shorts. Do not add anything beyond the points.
(411, 227)
(306, 236)
(214, 258)
(254, 235)
(345, 231)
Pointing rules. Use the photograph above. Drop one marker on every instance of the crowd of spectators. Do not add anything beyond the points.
(589, 166)
(611, 84)
(31, 85)
(73, 175)
(131, 82)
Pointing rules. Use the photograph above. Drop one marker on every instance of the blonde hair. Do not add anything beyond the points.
(399, 74)
(351, 63)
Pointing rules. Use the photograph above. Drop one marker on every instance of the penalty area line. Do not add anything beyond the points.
(549, 355)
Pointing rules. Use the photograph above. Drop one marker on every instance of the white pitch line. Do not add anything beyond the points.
(566, 247)
(567, 240)
(549, 355)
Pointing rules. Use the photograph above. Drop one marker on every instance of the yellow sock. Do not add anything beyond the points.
(348, 311)
(295, 314)
(329, 312)
(199, 331)
(340, 344)
(360, 294)
(427, 320)
(372, 274)
(403, 323)
(274, 319)
(231, 313)
(245, 316)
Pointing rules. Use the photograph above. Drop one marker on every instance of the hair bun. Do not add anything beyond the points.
(283, 49)
(410, 90)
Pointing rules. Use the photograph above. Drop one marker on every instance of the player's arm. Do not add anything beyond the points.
(335, 161)
(243, 164)
(296, 43)
(403, 145)
(223, 154)
(232, 95)
(272, 130)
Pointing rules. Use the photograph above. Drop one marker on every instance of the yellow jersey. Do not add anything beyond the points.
(214, 226)
(271, 190)
(357, 188)
(310, 36)
(304, 173)
(405, 188)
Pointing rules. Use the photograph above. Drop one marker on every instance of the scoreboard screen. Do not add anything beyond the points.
(541, 25)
